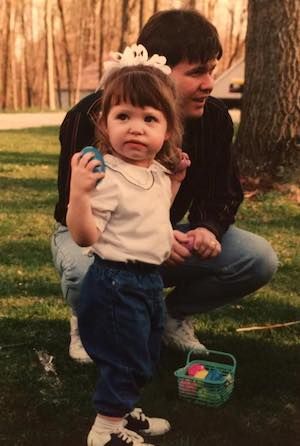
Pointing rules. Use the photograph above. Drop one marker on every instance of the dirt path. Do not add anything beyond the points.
(25, 120)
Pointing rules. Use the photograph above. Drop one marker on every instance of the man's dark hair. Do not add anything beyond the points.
(181, 34)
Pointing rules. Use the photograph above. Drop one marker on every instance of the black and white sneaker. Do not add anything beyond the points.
(120, 437)
(138, 422)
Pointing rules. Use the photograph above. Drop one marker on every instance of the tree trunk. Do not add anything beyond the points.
(26, 23)
(50, 56)
(141, 14)
(4, 55)
(67, 52)
(269, 129)
(10, 83)
(124, 24)
(80, 44)
(101, 37)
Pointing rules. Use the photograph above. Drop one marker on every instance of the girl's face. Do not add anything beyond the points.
(136, 134)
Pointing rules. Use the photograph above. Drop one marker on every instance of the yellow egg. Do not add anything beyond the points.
(201, 374)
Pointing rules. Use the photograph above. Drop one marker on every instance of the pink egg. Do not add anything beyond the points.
(187, 386)
(193, 369)
(190, 243)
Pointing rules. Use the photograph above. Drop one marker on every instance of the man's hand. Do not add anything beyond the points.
(180, 251)
(205, 243)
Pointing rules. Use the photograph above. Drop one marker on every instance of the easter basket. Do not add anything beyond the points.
(215, 388)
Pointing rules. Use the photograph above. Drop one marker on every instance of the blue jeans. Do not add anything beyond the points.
(246, 263)
(121, 316)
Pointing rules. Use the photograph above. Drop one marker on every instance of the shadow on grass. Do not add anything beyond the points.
(28, 194)
(36, 184)
(34, 259)
(27, 253)
(42, 131)
(42, 408)
(28, 158)
(48, 409)
(31, 204)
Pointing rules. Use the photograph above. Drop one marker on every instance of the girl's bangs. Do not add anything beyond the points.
(138, 91)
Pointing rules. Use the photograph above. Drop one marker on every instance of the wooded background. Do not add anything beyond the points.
(45, 45)
(48, 47)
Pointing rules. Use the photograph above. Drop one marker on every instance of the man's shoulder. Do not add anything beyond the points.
(216, 106)
(216, 114)
(89, 104)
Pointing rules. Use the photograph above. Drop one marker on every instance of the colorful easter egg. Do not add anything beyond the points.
(193, 369)
(201, 374)
(187, 386)
(214, 375)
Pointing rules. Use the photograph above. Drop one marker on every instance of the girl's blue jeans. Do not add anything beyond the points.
(121, 316)
(246, 263)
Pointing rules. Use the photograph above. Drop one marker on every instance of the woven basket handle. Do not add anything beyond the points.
(228, 355)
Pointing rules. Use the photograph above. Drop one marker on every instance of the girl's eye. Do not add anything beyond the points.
(150, 118)
(122, 116)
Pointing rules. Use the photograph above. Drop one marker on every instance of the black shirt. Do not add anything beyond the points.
(211, 190)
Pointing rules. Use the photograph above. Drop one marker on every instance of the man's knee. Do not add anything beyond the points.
(265, 262)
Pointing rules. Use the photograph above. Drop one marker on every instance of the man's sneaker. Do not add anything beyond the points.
(138, 422)
(179, 333)
(121, 437)
(76, 349)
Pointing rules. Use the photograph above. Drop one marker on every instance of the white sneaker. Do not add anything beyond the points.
(120, 437)
(179, 333)
(138, 422)
(76, 349)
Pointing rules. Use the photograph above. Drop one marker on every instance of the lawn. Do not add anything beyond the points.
(39, 408)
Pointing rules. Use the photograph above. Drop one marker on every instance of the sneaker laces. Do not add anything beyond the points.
(128, 436)
(138, 414)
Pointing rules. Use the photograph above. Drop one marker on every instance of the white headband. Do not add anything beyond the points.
(133, 55)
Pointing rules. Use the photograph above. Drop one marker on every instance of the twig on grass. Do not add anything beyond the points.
(267, 327)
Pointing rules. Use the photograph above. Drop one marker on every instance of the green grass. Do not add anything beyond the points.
(40, 409)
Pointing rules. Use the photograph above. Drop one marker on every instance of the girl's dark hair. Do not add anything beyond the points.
(143, 86)
(181, 34)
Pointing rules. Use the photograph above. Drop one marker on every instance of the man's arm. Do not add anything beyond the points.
(212, 189)
(215, 206)
(76, 132)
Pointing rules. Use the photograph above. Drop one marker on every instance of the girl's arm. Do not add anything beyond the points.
(178, 176)
(80, 219)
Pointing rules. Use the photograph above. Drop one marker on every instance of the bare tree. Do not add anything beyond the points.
(50, 55)
(141, 14)
(9, 66)
(268, 135)
(236, 40)
(4, 23)
(67, 52)
(124, 23)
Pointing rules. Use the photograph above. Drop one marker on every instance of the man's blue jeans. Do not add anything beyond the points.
(71, 264)
(246, 263)
(121, 316)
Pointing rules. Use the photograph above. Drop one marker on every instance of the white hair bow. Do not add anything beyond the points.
(133, 55)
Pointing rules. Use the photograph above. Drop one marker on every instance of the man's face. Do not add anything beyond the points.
(194, 83)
